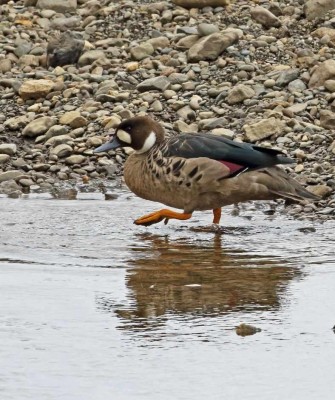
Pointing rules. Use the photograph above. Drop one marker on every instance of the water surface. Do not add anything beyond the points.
(94, 307)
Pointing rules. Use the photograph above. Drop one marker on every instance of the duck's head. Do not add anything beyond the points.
(139, 133)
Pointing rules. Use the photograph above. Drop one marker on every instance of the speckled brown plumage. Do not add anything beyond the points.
(195, 173)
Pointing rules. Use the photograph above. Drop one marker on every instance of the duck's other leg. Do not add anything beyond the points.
(158, 216)
(217, 215)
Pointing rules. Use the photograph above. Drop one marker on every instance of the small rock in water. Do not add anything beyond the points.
(246, 330)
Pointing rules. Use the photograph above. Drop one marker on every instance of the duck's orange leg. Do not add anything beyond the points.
(217, 215)
(158, 216)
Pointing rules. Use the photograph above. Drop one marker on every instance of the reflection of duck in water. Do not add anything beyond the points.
(197, 172)
(172, 277)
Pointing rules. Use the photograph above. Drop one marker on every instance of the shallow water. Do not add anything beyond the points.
(94, 307)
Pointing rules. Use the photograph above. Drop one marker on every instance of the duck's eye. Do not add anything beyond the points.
(127, 128)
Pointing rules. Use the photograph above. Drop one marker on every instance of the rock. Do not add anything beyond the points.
(299, 168)
(330, 85)
(265, 17)
(246, 330)
(20, 163)
(89, 57)
(64, 193)
(200, 3)
(56, 140)
(212, 46)
(41, 167)
(62, 150)
(131, 66)
(9, 175)
(94, 141)
(8, 148)
(239, 93)
(160, 42)
(187, 42)
(4, 158)
(297, 108)
(296, 85)
(332, 147)
(212, 123)
(35, 88)
(205, 29)
(56, 130)
(16, 123)
(287, 76)
(64, 49)
(327, 119)
(60, 6)
(269, 83)
(323, 72)
(26, 182)
(75, 159)
(263, 129)
(38, 126)
(29, 59)
(64, 23)
(160, 83)
(183, 127)
(142, 51)
(9, 186)
(223, 132)
(324, 32)
(74, 119)
(317, 8)
(22, 47)
(320, 190)
(5, 65)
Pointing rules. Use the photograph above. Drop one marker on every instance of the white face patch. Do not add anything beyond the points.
(124, 136)
(148, 143)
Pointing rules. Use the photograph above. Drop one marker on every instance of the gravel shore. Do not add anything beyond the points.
(257, 71)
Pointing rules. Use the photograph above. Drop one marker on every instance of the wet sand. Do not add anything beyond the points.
(94, 307)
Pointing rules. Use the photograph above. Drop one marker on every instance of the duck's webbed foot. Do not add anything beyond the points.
(158, 216)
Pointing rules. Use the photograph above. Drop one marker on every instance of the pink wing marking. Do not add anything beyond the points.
(232, 167)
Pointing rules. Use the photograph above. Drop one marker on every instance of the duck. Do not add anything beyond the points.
(198, 171)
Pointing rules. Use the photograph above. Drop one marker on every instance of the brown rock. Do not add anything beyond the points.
(62, 150)
(38, 126)
(74, 119)
(321, 73)
(317, 8)
(9, 175)
(239, 93)
(265, 17)
(35, 88)
(263, 129)
(246, 330)
(212, 46)
(75, 159)
(320, 190)
(5, 65)
(200, 3)
(327, 119)
(60, 6)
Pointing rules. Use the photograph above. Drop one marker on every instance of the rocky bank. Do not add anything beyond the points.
(257, 71)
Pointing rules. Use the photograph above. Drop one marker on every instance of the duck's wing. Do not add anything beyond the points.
(237, 156)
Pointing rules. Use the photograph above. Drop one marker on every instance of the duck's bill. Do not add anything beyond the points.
(113, 144)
